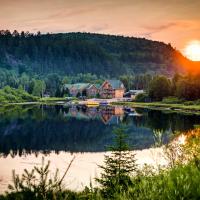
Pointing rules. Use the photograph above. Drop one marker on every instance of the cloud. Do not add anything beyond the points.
(158, 28)
(71, 13)
(162, 27)
(99, 28)
(150, 30)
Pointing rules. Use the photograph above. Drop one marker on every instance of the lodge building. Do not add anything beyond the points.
(112, 89)
(109, 89)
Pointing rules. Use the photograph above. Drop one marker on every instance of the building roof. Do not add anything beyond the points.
(96, 85)
(110, 119)
(81, 86)
(67, 86)
(78, 86)
(116, 84)
(134, 92)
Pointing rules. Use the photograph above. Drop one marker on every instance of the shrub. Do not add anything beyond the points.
(11, 95)
(159, 88)
(197, 102)
(143, 97)
(180, 182)
(189, 103)
(172, 100)
(38, 184)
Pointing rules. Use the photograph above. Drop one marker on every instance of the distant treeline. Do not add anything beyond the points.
(185, 87)
(52, 83)
(73, 53)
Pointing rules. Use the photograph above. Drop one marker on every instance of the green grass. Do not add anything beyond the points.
(177, 107)
(52, 99)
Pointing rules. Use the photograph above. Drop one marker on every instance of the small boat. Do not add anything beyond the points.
(128, 109)
(134, 114)
(92, 104)
(103, 103)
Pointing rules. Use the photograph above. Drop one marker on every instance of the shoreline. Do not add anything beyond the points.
(167, 107)
(177, 108)
(40, 101)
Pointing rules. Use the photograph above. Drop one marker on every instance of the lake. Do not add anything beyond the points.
(29, 132)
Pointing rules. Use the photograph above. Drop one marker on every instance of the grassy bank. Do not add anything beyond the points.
(173, 107)
(51, 99)
(20, 97)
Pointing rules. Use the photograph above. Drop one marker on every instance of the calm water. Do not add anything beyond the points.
(26, 129)
(29, 132)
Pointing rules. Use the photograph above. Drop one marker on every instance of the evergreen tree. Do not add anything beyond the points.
(118, 166)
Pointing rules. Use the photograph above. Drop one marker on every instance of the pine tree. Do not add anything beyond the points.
(118, 166)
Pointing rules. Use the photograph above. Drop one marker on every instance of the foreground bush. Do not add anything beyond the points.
(181, 182)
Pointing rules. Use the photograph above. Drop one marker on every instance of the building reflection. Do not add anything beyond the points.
(112, 115)
(107, 114)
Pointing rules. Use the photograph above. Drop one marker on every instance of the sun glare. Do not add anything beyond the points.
(192, 50)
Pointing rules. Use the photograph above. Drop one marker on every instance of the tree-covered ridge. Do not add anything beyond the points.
(73, 53)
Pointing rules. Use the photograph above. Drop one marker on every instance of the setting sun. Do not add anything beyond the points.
(192, 50)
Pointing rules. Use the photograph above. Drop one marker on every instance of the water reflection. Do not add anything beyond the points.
(107, 114)
(33, 129)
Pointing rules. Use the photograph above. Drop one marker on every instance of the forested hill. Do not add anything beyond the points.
(73, 53)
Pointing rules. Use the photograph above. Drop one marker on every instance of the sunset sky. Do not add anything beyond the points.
(173, 21)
